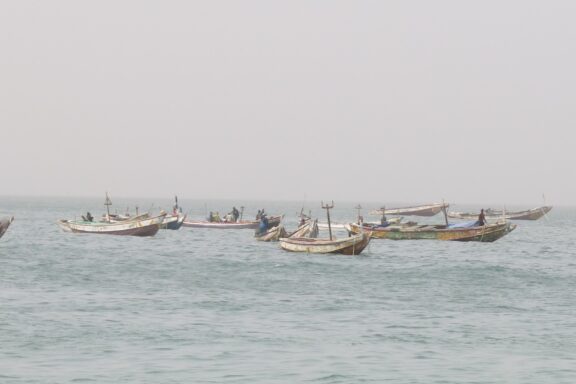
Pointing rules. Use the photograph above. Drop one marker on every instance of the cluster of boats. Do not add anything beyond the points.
(491, 226)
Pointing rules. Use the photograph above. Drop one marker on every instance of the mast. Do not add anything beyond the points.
(445, 213)
(328, 208)
(108, 203)
(358, 208)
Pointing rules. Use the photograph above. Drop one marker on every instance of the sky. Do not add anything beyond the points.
(412, 101)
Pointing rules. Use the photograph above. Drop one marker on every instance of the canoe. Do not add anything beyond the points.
(173, 222)
(272, 222)
(333, 225)
(273, 234)
(144, 227)
(530, 214)
(308, 229)
(419, 210)
(4, 224)
(352, 245)
(486, 233)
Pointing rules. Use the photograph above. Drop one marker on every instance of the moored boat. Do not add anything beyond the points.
(241, 224)
(173, 222)
(273, 234)
(530, 214)
(4, 224)
(352, 245)
(419, 210)
(455, 232)
(143, 227)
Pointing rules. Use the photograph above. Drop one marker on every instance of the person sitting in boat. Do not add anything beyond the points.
(481, 218)
(235, 214)
(229, 218)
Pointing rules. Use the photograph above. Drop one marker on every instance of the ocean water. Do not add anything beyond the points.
(206, 306)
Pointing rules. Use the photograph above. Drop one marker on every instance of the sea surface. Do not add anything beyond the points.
(209, 306)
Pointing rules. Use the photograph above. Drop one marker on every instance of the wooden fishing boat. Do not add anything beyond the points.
(143, 227)
(420, 210)
(353, 245)
(173, 222)
(530, 214)
(242, 224)
(456, 232)
(4, 224)
(273, 234)
(309, 229)
(334, 226)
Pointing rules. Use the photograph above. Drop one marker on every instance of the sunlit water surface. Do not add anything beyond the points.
(208, 306)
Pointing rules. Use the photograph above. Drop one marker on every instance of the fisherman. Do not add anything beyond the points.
(481, 218)
(89, 217)
(210, 217)
(229, 218)
(263, 227)
(302, 221)
(258, 215)
(383, 221)
(235, 214)
(217, 218)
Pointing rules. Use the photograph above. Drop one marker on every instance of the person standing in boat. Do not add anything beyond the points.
(263, 227)
(235, 214)
(89, 217)
(384, 221)
(481, 218)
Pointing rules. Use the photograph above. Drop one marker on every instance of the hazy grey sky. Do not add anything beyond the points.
(472, 101)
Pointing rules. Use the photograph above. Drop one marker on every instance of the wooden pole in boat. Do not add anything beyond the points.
(241, 212)
(445, 213)
(108, 203)
(358, 208)
(328, 208)
(383, 219)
